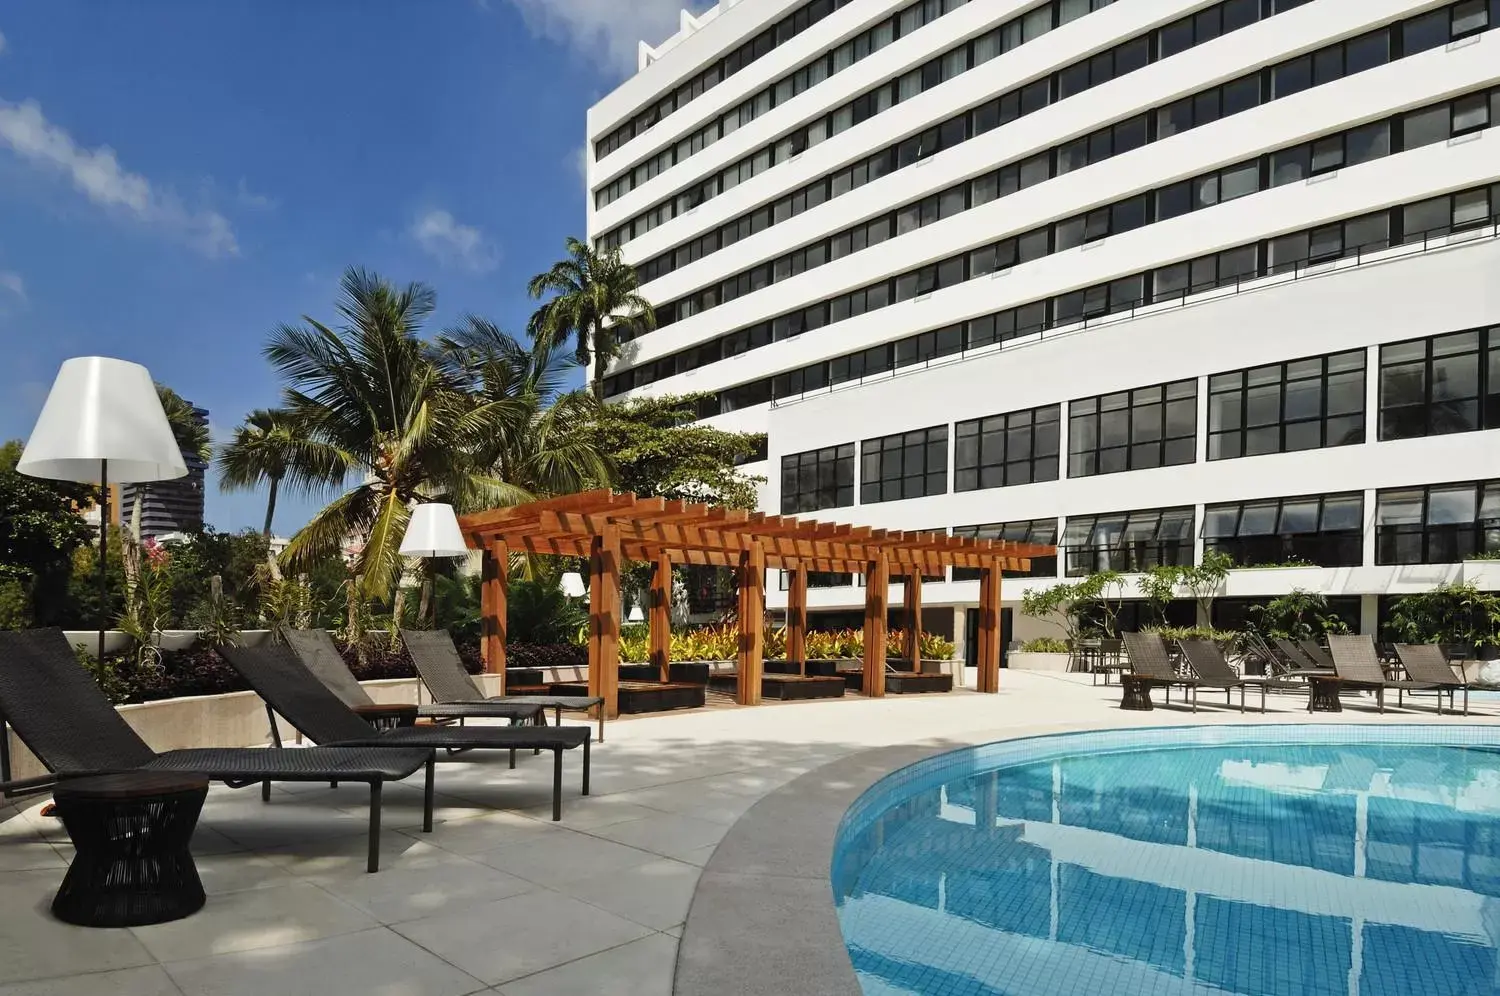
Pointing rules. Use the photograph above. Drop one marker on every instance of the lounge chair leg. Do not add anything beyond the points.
(1466, 700)
(427, 793)
(1242, 700)
(265, 791)
(373, 864)
(512, 757)
(1380, 700)
(601, 722)
(1195, 700)
(556, 783)
(586, 767)
(333, 784)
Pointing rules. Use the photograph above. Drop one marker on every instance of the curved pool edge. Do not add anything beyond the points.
(762, 919)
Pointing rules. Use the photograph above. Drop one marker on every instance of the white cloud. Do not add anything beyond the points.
(98, 175)
(2, 42)
(579, 160)
(13, 283)
(255, 202)
(607, 30)
(442, 237)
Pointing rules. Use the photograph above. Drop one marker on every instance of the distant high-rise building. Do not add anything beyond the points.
(169, 506)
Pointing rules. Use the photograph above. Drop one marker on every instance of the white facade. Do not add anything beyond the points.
(1327, 298)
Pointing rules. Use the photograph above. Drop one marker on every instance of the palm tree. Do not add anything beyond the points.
(269, 448)
(190, 432)
(593, 294)
(373, 397)
(547, 451)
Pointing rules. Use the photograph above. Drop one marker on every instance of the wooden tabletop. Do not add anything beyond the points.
(385, 708)
(128, 785)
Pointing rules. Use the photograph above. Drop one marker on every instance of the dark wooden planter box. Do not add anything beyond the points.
(784, 687)
(523, 676)
(677, 671)
(782, 667)
(643, 696)
(853, 680)
(902, 684)
(826, 668)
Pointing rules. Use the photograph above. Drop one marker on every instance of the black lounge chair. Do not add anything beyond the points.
(1150, 666)
(1213, 671)
(1426, 663)
(64, 719)
(1359, 668)
(316, 650)
(1299, 663)
(291, 690)
(443, 673)
(1320, 658)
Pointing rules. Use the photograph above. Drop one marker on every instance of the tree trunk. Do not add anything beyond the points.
(424, 607)
(596, 384)
(398, 607)
(304, 602)
(271, 507)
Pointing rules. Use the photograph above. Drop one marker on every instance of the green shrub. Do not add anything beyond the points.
(1045, 645)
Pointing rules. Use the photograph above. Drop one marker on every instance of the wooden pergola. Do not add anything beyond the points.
(607, 529)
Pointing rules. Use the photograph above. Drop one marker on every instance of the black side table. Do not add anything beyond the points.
(1324, 695)
(131, 834)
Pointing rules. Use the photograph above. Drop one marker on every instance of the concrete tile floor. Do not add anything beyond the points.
(499, 899)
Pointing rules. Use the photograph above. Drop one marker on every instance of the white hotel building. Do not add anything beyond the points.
(1140, 277)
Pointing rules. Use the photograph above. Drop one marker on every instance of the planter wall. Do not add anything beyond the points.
(171, 639)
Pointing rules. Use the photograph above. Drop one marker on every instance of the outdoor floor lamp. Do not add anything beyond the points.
(102, 422)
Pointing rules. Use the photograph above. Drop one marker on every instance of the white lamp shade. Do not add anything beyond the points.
(433, 532)
(102, 409)
(572, 585)
(636, 615)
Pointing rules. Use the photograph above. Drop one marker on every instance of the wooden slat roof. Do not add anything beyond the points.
(693, 533)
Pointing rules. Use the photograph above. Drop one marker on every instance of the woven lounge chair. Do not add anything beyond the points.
(451, 686)
(1314, 651)
(1299, 663)
(316, 650)
(291, 690)
(1150, 667)
(1426, 663)
(1359, 668)
(1213, 671)
(64, 719)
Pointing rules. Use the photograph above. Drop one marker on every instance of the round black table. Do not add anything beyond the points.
(130, 833)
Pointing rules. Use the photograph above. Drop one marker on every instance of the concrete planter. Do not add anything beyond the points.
(1260, 582)
(171, 639)
(1484, 573)
(1024, 660)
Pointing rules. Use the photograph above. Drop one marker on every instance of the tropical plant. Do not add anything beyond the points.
(372, 401)
(270, 448)
(190, 431)
(40, 531)
(537, 611)
(937, 648)
(1297, 615)
(1205, 579)
(1044, 645)
(1450, 613)
(1080, 607)
(775, 643)
(1159, 585)
(594, 294)
(1223, 637)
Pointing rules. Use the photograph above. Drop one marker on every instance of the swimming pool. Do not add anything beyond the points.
(1258, 860)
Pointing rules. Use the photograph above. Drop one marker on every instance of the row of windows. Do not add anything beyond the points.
(861, 46)
(1375, 140)
(1133, 430)
(1367, 233)
(1382, 45)
(1449, 383)
(1123, 58)
(1361, 144)
(1436, 524)
(1285, 407)
(758, 47)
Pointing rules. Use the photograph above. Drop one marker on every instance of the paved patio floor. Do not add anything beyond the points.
(499, 899)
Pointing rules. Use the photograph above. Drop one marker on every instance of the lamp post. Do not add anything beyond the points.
(102, 421)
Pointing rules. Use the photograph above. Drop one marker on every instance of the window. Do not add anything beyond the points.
(1041, 531)
(1128, 541)
(1284, 407)
(1441, 524)
(1448, 383)
(1326, 531)
(906, 465)
(1435, 218)
(1005, 450)
(1133, 430)
(817, 479)
(819, 579)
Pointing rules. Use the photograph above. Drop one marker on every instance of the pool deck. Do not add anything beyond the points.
(501, 900)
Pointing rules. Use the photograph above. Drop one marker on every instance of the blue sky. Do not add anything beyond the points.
(179, 177)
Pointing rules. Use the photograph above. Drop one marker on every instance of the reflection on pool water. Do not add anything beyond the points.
(1319, 868)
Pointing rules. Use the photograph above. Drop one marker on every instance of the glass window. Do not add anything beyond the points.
(1304, 404)
(1136, 430)
(1039, 531)
(1006, 450)
(1424, 127)
(1441, 524)
(817, 479)
(1441, 385)
(1324, 531)
(905, 465)
(1128, 541)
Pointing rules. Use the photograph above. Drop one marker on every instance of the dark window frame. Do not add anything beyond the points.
(1148, 415)
(1446, 541)
(822, 478)
(1234, 441)
(883, 465)
(992, 439)
(1321, 546)
(1139, 543)
(1436, 415)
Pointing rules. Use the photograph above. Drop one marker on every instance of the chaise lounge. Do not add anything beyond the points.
(1425, 663)
(1213, 671)
(64, 719)
(290, 690)
(1150, 667)
(1358, 668)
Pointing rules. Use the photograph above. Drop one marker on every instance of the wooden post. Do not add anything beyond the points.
(499, 607)
(750, 661)
(661, 616)
(877, 600)
(604, 619)
(911, 604)
(796, 619)
(988, 658)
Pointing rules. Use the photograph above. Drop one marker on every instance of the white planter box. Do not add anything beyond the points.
(1260, 582)
(1025, 660)
(1484, 573)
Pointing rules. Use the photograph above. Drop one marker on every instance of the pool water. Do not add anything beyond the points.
(1149, 862)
